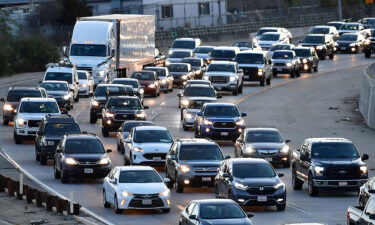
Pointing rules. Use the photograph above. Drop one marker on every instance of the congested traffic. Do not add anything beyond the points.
(203, 77)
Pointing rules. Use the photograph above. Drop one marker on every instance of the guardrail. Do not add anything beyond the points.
(367, 96)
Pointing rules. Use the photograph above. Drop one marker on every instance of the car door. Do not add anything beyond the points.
(369, 209)
(219, 179)
(239, 146)
(305, 164)
(119, 135)
(59, 154)
(227, 180)
(128, 145)
(171, 163)
(112, 187)
(195, 213)
(299, 165)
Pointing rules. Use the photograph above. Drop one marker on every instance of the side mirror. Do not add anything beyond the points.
(240, 70)
(2, 100)
(193, 217)
(219, 96)
(287, 141)
(371, 191)
(365, 157)
(109, 150)
(243, 114)
(166, 180)
(298, 150)
(64, 112)
(226, 175)
(40, 81)
(249, 215)
(179, 95)
(112, 181)
(146, 107)
(227, 157)
(280, 174)
(173, 157)
(199, 114)
(372, 217)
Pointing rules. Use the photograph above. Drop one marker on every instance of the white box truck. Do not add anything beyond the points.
(113, 45)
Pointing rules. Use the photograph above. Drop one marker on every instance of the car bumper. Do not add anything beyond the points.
(306, 66)
(149, 91)
(340, 185)
(147, 158)
(179, 81)
(84, 90)
(282, 69)
(244, 198)
(48, 151)
(197, 180)
(253, 75)
(79, 171)
(113, 125)
(347, 49)
(230, 86)
(27, 131)
(189, 122)
(275, 158)
(97, 111)
(133, 202)
(164, 87)
(222, 133)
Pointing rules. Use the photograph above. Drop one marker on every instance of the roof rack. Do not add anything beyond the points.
(63, 63)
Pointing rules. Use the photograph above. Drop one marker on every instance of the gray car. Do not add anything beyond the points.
(286, 61)
(59, 90)
(266, 143)
(195, 105)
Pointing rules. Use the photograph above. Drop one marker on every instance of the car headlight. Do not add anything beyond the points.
(240, 186)
(167, 63)
(249, 149)
(165, 193)
(197, 72)
(185, 102)
(126, 194)
(20, 122)
(279, 185)
(232, 78)
(70, 161)
(141, 115)
(66, 97)
(207, 122)
(170, 52)
(152, 86)
(100, 74)
(141, 91)
(352, 45)
(188, 116)
(304, 60)
(7, 107)
(206, 78)
(137, 149)
(104, 161)
(94, 103)
(289, 64)
(184, 77)
(285, 149)
(84, 85)
(185, 168)
(255, 39)
(319, 170)
(260, 72)
(240, 122)
(319, 47)
(363, 169)
(108, 114)
(367, 42)
(163, 81)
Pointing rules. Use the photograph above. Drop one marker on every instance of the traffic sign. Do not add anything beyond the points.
(369, 1)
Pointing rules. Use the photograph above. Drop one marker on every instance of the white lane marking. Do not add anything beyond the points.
(290, 205)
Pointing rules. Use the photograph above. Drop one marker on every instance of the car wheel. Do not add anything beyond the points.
(281, 207)
(332, 55)
(37, 156)
(313, 191)
(262, 83)
(105, 131)
(268, 81)
(196, 134)
(56, 173)
(93, 118)
(178, 186)
(76, 99)
(167, 210)
(230, 194)
(117, 210)
(286, 164)
(274, 73)
(323, 56)
(119, 148)
(126, 161)
(105, 203)
(171, 182)
(296, 183)
(367, 54)
(235, 91)
(293, 74)
(316, 68)
(217, 194)
(43, 160)
(185, 127)
(298, 73)
(16, 138)
(5, 122)
(241, 88)
(64, 177)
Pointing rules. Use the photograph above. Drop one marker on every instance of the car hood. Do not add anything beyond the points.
(236, 221)
(86, 157)
(345, 42)
(178, 73)
(213, 163)
(337, 162)
(154, 147)
(202, 55)
(250, 65)
(82, 81)
(267, 42)
(56, 93)
(140, 188)
(146, 82)
(310, 44)
(219, 74)
(256, 182)
(130, 112)
(34, 116)
(174, 60)
(223, 119)
(86, 61)
(266, 145)
(193, 111)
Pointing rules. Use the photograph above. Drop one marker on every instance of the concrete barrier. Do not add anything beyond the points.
(367, 96)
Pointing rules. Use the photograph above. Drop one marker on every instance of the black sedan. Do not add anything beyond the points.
(214, 212)
(250, 182)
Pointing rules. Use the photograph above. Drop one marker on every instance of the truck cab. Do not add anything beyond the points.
(362, 215)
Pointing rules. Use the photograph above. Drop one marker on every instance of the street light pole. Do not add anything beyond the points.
(339, 4)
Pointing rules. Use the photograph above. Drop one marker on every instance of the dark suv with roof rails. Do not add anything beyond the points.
(13, 99)
(51, 130)
(323, 44)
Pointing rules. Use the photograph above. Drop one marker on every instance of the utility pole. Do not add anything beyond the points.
(339, 4)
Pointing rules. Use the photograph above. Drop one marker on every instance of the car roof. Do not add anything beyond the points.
(214, 201)
(154, 67)
(322, 26)
(60, 69)
(38, 99)
(133, 168)
(151, 128)
(328, 140)
(63, 118)
(353, 23)
(252, 52)
(83, 71)
(198, 85)
(264, 28)
(138, 121)
(307, 48)
(285, 51)
(195, 141)
(82, 136)
(193, 58)
(227, 48)
(205, 46)
(144, 71)
(125, 79)
(182, 50)
(186, 39)
(24, 88)
(261, 129)
(274, 33)
(222, 62)
(342, 22)
(124, 96)
(247, 160)
(110, 85)
(350, 34)
(198, 82)
(220, 104)
(54, 81)
(317, 35)
(202, 98)
(187, 64)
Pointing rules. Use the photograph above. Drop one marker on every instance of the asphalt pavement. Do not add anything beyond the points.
(314, 105)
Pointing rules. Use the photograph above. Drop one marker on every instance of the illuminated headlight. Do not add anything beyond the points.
(255, 39)
(363, 169)
(107, 114)
(185, 102)
(250, 149)
(319, 47)
(188, 116)
(197, 72)
(167, 63)
(279, 185)
(7, 107)
(141, 91)
(285, 149)
(70, 161)
(185, 169)
(184, 77)
(84, 85)
(137, 149)
(367, 42)
(260, 72)
(232, 78)
(163, 81)
(240, 186)
(141, 115)
(100, 74)
(352, 45)
(206, 78)
(104, 161)
(289, 64)
(207, 122)
(151, 86)
(353, 49)
(95, 103)
(319, 170)
(126, 194)
(240, 123)
(165, 193)
(170, 52)
(66, 97)
(304, 60)
(20, 122)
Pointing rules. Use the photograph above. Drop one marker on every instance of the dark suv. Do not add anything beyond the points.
(81, 156)
(309, 58)
(370, 44)
(192, 163)
(13, 99)
(119, 109)
(323, 44)
(51, 130)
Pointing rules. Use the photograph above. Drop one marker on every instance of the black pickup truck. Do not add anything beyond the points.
(328, 164)
(361, 215)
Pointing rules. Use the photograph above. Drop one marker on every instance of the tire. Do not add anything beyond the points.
(105, 132)
(313, 191)
(118, 148)
(323, 57)
(196, 134)
(309, 70)
(268, 81)
(171, 182)
(178, 186)
(56, 173)
(316, 68)
(241, 88)
(43, 160)
(235, 92)
(296, 183)
(185, 127)
(281, 207)
(262, 83)
(287, 164)
(63, 177)
(367, 54)
(230, 194)
(293, 74)
(332, 55)
(105, 203)
(126, 161)
(298, 73)
(37, 156)
(117, 210)
(181, 115)
(5, 122)
(217, 195)
(76, 99)
(274, 73)
(93, 118)
(17, 139)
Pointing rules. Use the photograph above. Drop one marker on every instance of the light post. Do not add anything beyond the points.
(339, 4)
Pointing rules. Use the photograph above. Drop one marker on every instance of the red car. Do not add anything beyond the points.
(149, 81)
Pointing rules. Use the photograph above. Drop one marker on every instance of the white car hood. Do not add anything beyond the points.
(143, 188)
(174, 60)
(267, 42)
(250, 65)
(202, 55)
(83, 81)
(219, 74)
(154, 147)
(87, 61)
(34, 116)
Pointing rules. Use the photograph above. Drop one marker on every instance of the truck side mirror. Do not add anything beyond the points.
(65, 51)
(287, 141)
(365, 157)
(199, 114)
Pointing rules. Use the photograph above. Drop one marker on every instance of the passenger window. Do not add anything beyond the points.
(370, 207)
(189, 209)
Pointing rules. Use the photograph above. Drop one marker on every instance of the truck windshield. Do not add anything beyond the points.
(16, 95)
(124, 104)
(59, 76)
(84, 146)
(334, 150)
(349, 27)
(222, 111)
(249, 59)
(253, 170)
(221, 68)
(302, 52)
(223, 53)
(200, 152)
(178, 68)
(199, 91)
(60, 129)
(319, 30)
(39, 107)
(348, 37)
(314, 39)
(111, 91)
(184, 44)
(269, 37)
(88, 50)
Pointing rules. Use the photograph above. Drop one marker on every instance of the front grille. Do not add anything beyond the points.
(279, 64)
(137, 203)
(343, 172)
(204, 169)
(224, 125)
(250, 70)
(146, 196)
(268, 152)
(88, 69)
(34, 123)
(151, 156)
(87, 163)
(261, 190)
(219, 79)
(125, 117)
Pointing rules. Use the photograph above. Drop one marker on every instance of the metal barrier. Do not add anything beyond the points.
(367, 96)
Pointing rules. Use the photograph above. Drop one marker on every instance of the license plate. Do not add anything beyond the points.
(156, 158)
(50, 142)
(146, 201)
(268, 159)
(224, 133)
(343, 48)
(206, 179)
(262, 198)
(88, 170)
(343, 184)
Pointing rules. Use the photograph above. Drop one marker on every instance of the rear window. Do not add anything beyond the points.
(159, 72)
(178, 54)
(59, 76)
(143, 76)
(199, 91)
(184, 44)
(16, 95)
(110, 91)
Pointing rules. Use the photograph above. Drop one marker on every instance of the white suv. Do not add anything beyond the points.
(30, 112)
(64, 72)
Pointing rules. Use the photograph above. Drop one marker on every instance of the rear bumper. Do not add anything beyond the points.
(282, 69)
(27, 131)
(197, 180)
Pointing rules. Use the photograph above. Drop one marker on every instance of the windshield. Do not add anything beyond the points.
(221, 68)
(269, 37)
(132, 83)
(84, 146)
(143, 76)
(198, 104)
(193, 62)
(54, 86)
(203, 50)
(88, 50)
(253, 170)
(178, 54)
(221, 211)
(200, 152)
(302, 52)
(60, 129)
(319, 30)
(82, 76)
(348, 37)
(314, 39)
(139, 177)
(249, 59)
(39, 107)
(334, 150)
(282, 55)
(337, 25)
(184, 44)
(242, 44)
(349, 27)
(148, 136)
(159, 72)
(128, 126)
(223, 53)
(110, 91)
(262, 31)
(280, 47)
(222, 111)
(16, 95)
(124, 104)
(199, 91)
(178, 68)
(263, 136)
(59, 76)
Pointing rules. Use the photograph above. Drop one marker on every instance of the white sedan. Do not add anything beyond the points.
(86, 83)
(135, 187)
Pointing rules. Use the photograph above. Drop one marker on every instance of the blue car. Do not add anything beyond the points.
(219, 121)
